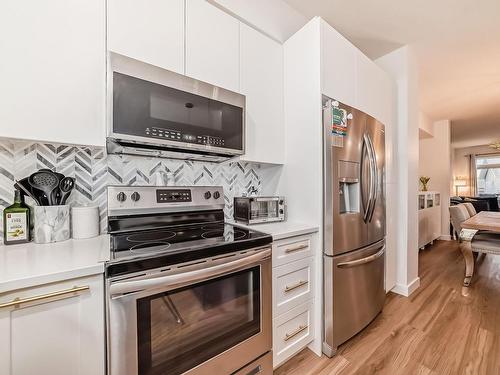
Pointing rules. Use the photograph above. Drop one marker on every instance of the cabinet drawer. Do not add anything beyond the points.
(292, 285)
(291, 249)
(292, 331)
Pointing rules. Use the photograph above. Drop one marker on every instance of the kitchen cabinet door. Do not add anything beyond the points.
(261, 78)
(151, 31)
(372, 86)
(212, 45)
(57, 335)
(52, 71)
(338, 66)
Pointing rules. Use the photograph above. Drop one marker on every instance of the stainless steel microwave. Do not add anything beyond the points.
(156, 112)
(254, 210)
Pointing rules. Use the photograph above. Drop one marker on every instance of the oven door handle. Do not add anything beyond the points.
(170, 282)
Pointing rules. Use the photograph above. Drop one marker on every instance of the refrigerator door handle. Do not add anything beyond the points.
(366, 149)
(361, 261)
(373, 178)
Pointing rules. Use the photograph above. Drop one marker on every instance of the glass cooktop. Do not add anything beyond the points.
(184, 243)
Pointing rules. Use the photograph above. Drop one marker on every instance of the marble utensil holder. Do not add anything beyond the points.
(51, 223)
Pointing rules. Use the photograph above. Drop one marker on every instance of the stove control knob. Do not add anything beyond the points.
(216, 195)
(121, 197)
(135, 196)
(208, 195)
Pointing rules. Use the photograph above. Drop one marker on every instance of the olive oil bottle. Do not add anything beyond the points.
(16, 222)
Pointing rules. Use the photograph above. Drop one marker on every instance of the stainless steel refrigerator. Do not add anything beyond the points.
(354, 221)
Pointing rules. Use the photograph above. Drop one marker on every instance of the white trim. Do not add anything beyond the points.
(445, 237)
(407, 290)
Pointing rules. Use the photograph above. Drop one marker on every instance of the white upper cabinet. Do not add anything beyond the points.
(151, 31)
(338, 66)
(212, 45)
(52, 70)
(372, 86)
(350, 77)
(261, 78)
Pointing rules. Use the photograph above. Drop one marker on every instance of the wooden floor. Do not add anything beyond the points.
(441, 328)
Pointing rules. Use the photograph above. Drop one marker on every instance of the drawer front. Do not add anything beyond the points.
(292, 332)
(292, 285)
(291, 249)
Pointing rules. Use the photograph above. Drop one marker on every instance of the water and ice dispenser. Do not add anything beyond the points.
(349, 186)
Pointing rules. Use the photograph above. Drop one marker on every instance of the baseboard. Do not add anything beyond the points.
(407, 290)
(445, 237)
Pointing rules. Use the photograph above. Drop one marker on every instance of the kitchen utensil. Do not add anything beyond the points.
(21, 187)
(56, 193)
(45, 181)
(36, 194)
(66, 186)
(85, 222)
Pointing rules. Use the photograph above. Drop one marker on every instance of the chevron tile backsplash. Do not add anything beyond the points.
(94, 170)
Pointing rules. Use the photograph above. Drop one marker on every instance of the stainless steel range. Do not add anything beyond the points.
(186, 292)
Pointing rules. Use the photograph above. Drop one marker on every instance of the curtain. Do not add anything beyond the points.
(472, 175)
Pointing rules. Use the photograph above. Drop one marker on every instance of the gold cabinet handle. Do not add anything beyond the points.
(288, 336)
(298, 285)
(296, 248)
(17, 302)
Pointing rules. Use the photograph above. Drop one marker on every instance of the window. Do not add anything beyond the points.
(488, 174)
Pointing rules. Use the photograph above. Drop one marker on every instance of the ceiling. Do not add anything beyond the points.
(457, 44)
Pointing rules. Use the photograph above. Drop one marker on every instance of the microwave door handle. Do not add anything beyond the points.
(170, 282)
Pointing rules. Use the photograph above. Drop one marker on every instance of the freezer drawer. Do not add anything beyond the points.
(354, 293)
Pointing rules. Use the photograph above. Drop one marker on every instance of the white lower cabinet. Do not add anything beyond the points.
(292, 285)
(293, 290)
(55, 329)
(292, 331)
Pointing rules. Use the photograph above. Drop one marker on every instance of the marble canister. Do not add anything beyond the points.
(51, 223)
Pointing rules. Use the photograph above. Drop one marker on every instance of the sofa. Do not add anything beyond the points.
(481, 203)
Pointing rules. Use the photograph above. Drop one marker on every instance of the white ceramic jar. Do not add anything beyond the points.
(85, 222)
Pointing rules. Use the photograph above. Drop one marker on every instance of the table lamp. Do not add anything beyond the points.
(459, 182)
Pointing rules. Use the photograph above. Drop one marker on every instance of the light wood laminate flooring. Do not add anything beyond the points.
(442, 328)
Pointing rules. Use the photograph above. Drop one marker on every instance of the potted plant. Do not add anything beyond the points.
(424, 180)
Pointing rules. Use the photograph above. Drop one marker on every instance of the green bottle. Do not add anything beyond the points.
(16, 222)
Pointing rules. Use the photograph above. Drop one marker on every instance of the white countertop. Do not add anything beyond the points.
(31, 264)
(282, 229)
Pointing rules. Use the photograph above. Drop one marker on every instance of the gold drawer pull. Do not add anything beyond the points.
(296, 248)
(298, 285)
(18, 301)
(288, 336)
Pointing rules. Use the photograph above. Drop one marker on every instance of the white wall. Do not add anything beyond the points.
(275, 18)
(435, 162)
(402, 203)
(302, 181)
(425, 125)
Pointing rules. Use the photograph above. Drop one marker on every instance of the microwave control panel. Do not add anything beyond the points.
(174, 135)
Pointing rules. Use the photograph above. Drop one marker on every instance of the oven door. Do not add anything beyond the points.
(266, 209)
(212, 317)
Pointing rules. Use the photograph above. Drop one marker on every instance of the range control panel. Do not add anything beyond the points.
(174, 135)
(138, 200)
(169, 196)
